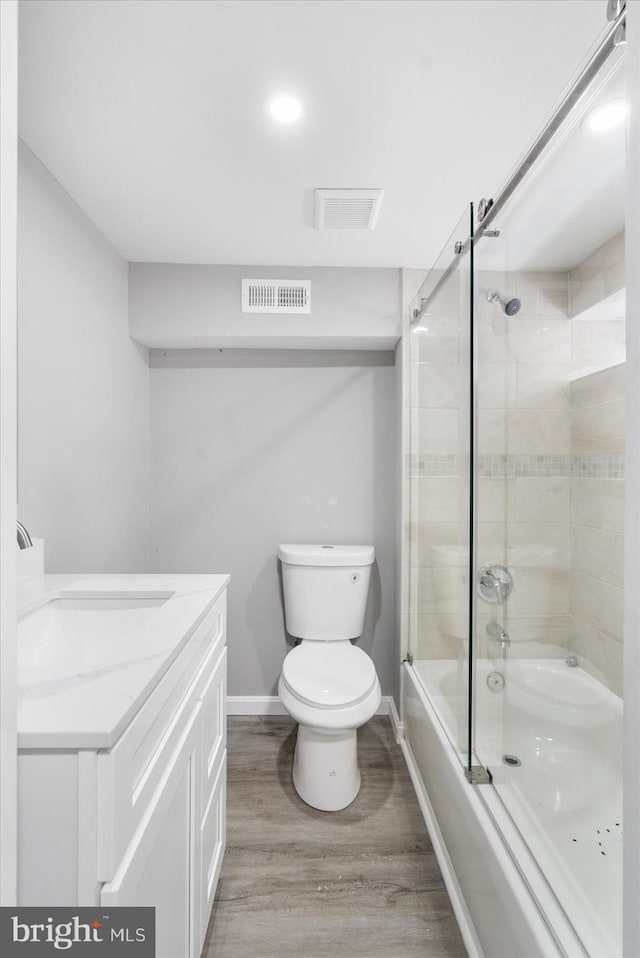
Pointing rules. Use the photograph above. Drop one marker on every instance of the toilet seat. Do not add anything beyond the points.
(329, 675)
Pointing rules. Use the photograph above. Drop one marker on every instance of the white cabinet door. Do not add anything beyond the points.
(162, 860)
(213, 784)
(212, 842)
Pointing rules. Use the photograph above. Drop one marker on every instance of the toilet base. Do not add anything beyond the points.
(325, 767)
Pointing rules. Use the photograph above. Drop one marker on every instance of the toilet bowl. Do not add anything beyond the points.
(328, 685)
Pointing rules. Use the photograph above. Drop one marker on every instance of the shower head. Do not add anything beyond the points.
(510, 304)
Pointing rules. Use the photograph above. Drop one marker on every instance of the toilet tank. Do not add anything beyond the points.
(325, 590)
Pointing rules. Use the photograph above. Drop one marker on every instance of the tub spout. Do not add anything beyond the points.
(497, 632)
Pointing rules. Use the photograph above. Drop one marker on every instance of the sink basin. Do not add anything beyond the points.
(74, 628)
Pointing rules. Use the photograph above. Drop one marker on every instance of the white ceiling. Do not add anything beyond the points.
(574, 201)
(150, 114)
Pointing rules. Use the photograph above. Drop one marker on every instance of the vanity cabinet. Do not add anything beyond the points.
(143, 822)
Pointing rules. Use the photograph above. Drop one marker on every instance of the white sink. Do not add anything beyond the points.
(78, 628)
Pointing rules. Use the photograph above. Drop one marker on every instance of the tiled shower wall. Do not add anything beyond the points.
(597, 480)
(437, 530)
(524, 470)
(597, 532)
(550, 481)
(598, 276)
(524, 366)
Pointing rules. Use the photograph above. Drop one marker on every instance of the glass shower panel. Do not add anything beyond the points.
(495, 397)
(440, 484)
(549, 315)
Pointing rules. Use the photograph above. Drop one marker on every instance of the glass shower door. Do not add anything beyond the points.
(440, 484)
(547, 709)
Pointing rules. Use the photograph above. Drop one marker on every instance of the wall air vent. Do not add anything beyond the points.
(347, 209)
(276, 296)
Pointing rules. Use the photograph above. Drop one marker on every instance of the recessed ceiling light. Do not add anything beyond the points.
(606, 115)
(284, 108)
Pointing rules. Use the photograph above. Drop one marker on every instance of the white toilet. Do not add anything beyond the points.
(327, 685)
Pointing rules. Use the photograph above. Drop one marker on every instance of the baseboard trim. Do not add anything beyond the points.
(255, 705)
(396, 723)
(460, 910)
(271, 705)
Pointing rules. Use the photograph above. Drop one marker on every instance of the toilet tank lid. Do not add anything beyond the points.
(325, 555)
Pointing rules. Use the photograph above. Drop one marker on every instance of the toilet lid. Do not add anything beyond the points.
(328, 674)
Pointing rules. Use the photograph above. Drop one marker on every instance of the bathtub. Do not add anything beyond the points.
(533, 861)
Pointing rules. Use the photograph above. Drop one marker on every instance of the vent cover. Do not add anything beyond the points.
(347, 209)
(276, 296)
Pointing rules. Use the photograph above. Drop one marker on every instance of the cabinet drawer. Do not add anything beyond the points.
(129, 774)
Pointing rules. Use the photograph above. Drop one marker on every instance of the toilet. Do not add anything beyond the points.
(328, 685)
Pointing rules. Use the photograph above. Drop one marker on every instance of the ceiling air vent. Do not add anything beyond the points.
(347, 209)
(276, 296)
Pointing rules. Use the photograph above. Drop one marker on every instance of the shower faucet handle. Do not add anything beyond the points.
(495, 582)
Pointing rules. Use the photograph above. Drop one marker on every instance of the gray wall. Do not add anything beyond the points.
(247, 448)
(83, 403)
(253, 448)
(180, 307)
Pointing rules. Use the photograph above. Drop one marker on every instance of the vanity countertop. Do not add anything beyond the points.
(83, 691)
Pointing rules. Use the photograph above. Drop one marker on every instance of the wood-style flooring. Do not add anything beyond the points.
(299, 883)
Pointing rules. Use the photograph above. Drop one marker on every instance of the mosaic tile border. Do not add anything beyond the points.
(609, 465)
(515, 467)
(591, 466)
(426, 464)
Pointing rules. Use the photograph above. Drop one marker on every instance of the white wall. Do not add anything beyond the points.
(253, 448)
(83, 388)
(178, 307)
(631, 851)
(8, 250)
